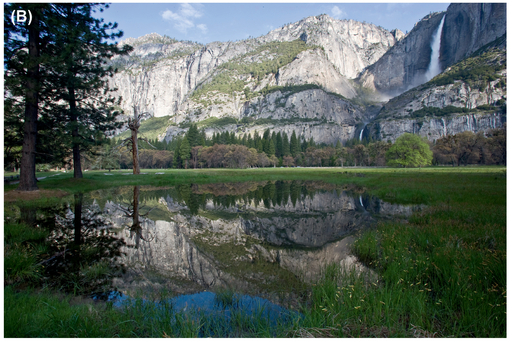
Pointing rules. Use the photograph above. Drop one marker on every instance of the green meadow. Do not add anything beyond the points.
(441, 273)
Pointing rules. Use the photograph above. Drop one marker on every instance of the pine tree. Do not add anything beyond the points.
(193, 135)
(176, 158)
(286, 145)
(294, 145)
(250, 141)
(259, 146)
(22, 60)
(67, 49)
(271, 148)
(279, 145)
(185, 152)
(202, 138)
(266, 141)
(79, 74)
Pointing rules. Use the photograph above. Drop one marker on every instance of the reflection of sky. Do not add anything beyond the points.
(205, 302)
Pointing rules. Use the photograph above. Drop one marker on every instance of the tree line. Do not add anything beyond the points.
(271, 149)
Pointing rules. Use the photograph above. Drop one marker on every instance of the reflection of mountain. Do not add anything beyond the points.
(249, 243)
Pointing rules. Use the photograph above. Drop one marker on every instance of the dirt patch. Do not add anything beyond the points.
(14, 195)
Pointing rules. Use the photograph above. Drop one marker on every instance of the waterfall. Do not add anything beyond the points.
(361, 134)
(434, 68)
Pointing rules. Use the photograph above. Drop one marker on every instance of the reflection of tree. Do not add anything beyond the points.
(83, 251)
(189, 195)
(133, 212)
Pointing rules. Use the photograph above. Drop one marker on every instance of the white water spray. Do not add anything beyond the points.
(435, 68)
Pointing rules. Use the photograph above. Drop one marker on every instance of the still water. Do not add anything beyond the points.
(267, 240)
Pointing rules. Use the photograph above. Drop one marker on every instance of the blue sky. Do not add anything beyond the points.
(208, 22)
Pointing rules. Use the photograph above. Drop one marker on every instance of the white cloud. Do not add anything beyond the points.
(187, 10)
(337, 12)
(184, 19)
(203, 28)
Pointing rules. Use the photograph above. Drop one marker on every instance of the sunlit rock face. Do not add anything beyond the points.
(161, 74)
(293, 228)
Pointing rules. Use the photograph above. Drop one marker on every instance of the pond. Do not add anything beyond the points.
(267, 241)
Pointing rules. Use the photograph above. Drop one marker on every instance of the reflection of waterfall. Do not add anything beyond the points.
(435, 68)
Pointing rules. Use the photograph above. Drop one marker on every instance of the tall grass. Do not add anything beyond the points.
(441, 274)
(32, 313)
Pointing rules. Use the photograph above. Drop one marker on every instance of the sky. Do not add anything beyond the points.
(209, 22)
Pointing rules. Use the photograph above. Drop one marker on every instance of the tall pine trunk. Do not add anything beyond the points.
(77, 166)
(28, 181)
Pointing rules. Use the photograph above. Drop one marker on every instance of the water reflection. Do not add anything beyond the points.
(261, 238)
(83, 252)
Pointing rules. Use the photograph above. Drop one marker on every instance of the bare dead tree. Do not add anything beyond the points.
(132, 143)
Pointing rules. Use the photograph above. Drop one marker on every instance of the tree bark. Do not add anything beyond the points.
(77, 166)
(28, 181)
(135, 151)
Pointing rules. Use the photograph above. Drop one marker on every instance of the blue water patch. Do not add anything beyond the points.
(218, 314)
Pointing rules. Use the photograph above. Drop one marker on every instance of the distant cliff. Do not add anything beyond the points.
(320, 77)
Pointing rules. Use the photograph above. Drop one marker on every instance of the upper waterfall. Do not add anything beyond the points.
(434, 67)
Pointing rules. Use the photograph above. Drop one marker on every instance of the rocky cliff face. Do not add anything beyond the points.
(405, 64)
(313, 67)
(161, 74)
(435, 128)
(471, 94)
(467, 27)
(311, 113)
(157, 77)
(349, 45)
(316, 92)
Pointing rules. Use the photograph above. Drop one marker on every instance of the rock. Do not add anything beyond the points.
(470, 26)
(405, 64)
(313, 67)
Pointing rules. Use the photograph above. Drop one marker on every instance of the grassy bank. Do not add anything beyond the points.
(441, 274)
